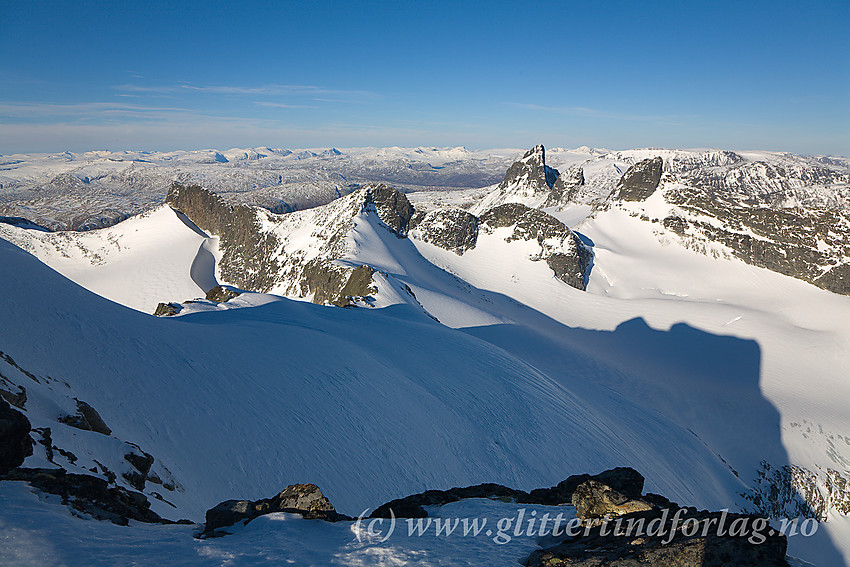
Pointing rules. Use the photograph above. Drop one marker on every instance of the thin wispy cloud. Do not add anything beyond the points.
(596, 113)
(36, 109)
(268, 90)
(282, 105)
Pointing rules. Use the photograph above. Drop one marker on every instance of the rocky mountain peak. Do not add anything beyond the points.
(392, 206)
(530, 175)
(531, 182)
(640, 180)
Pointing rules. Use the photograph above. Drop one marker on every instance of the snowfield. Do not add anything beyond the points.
(699, 370)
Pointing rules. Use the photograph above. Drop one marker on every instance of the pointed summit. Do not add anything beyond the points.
(530, 175)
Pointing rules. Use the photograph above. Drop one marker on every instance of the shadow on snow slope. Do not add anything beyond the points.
(376, 404)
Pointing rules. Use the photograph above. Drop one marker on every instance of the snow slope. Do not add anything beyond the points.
(240, 402)
(158, 256)
(691, 366)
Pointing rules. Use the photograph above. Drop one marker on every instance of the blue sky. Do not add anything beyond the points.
(122, 75)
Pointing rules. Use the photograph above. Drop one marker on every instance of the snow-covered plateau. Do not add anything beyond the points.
(381, 322)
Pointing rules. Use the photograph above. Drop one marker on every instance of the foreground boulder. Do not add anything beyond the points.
(671, 541)
(167, 309)
(593, 499)
(412, 506)
(15, 441)
(304, 499)
(220, 294)
(625, 480)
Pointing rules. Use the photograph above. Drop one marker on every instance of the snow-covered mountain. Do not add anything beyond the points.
(96, 189)
(648, 308)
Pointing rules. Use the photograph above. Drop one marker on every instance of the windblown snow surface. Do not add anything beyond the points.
(693, 369)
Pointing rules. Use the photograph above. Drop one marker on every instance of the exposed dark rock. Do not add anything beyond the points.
(569, 269)
(452, 229)
(792, 491)
(565, 187)
(412, 506)
(15, 441)
(249, 254)
(323, 279)
(675, 224)
(531, 172)
(142, 465)
(654, 539)
(90, 495)
(593, 499)
(304, 499)
(560, 247)
(17, 399)
(640, 180)
(221, 294)
(805, 243)
(87, 419)
(167, 309)
(624, 480)
(359, 285)
(392, 206)
(333, 284)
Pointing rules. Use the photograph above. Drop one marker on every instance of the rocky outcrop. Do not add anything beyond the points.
(249, 253)
(594, 499)
(530, 174)
(335, 284)
(304, 499)
(565, 187)
(90, 495)
(141, 463)
(532, 182)
(559, 246)
(452, 229)
(806, 243)
(412, 506)
(15, 441)
(220, 294)
(358, 287)
(627, 529)
(626, 480)
(392, 207)
(640, 180)
(86, 419)
(655, 539)
(16, 398)
(167, 309)
(792, 491)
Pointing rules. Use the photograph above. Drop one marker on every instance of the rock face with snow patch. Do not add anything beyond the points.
(530, 175)
(392, 207)
(532, 182)
(559, 246)
(806, 243)
(304, 499)
(248, 253)
(641, 180)
(565, 187)
(452, 229)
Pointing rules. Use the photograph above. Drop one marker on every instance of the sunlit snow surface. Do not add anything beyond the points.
(676, 363)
